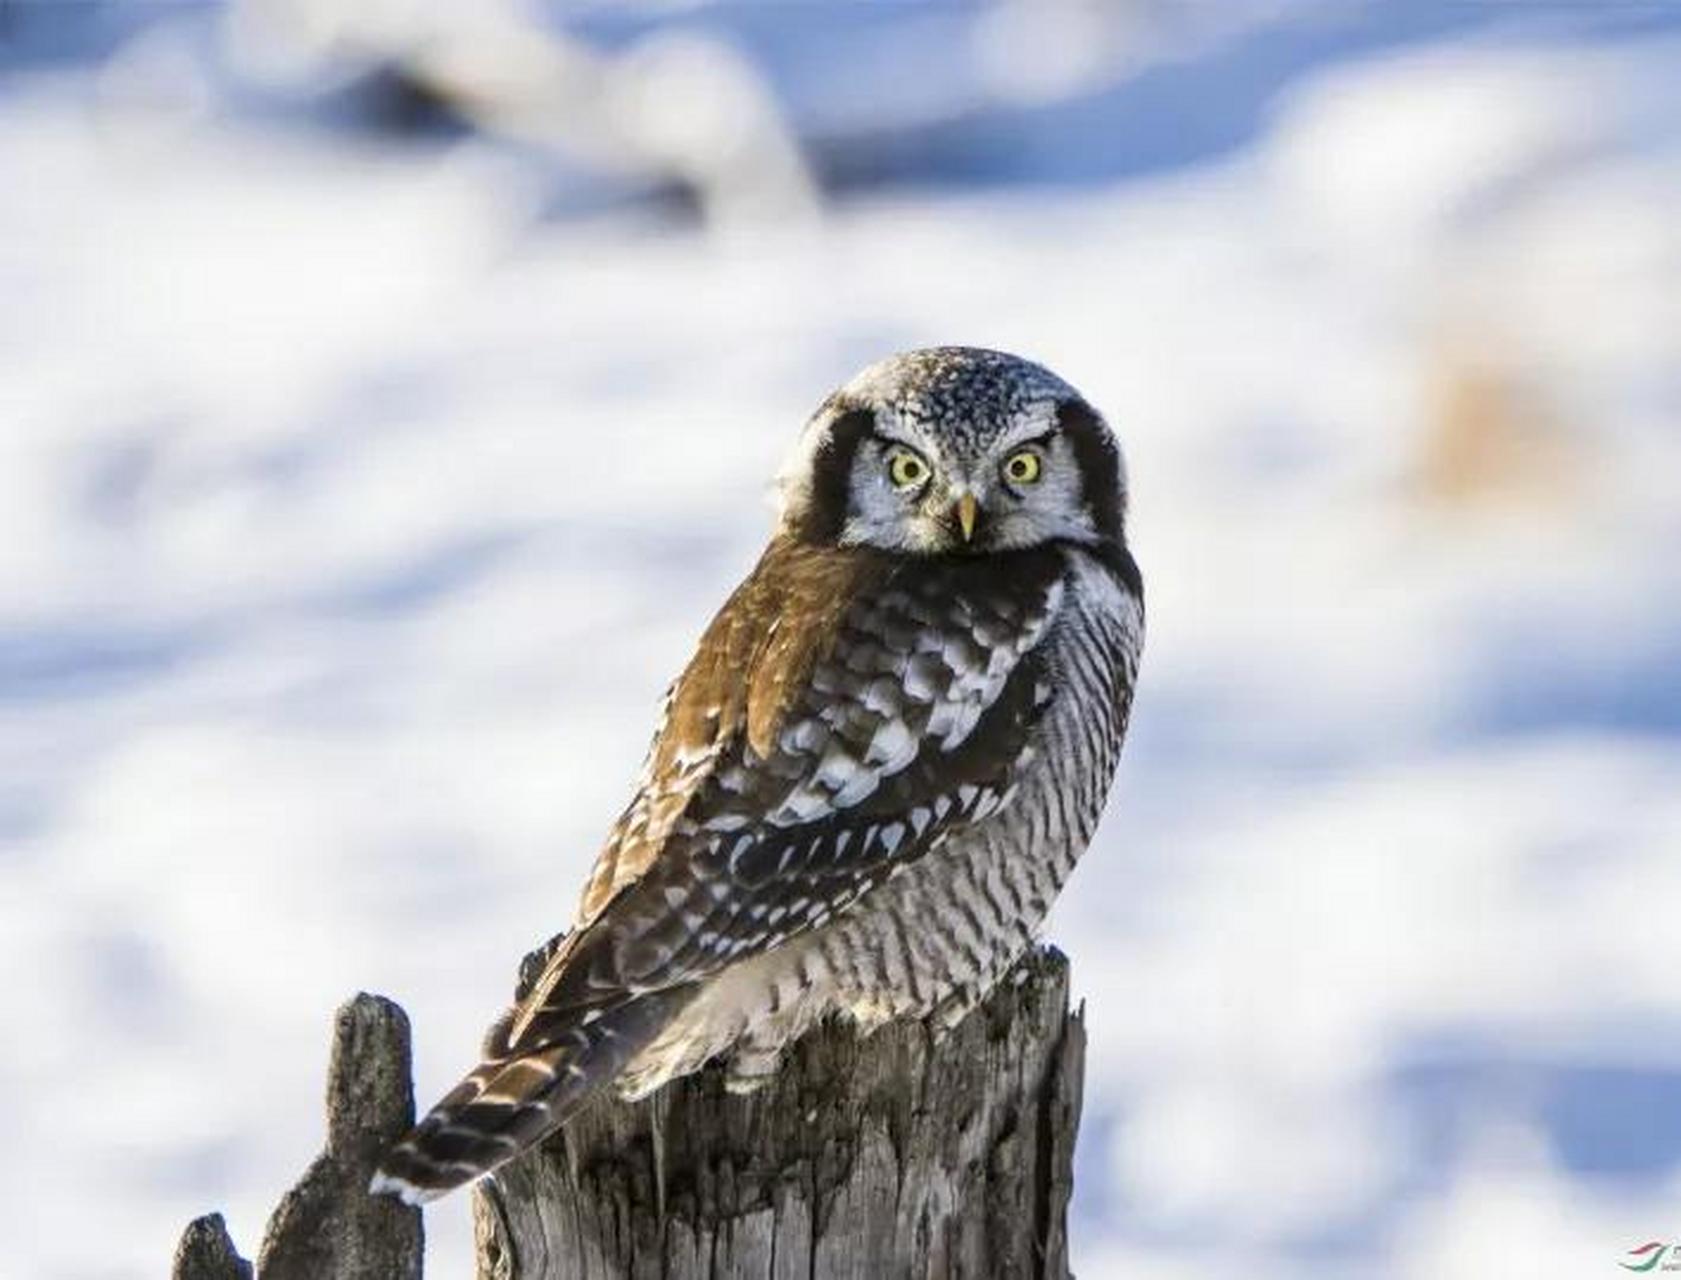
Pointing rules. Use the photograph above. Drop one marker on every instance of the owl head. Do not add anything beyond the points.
(955, 450)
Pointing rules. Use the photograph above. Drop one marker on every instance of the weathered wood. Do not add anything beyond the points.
(328, 1227)
(894, 1156)
(207, 1253)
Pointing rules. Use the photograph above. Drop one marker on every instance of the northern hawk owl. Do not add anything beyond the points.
(873, 777)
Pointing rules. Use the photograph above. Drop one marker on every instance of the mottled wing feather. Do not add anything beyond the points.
(751, 661)
(713, 902)
(508, 1103)
(842, 718)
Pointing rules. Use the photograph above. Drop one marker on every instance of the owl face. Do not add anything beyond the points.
(955, 450)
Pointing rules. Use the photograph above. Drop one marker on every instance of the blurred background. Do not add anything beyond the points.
(389, 392)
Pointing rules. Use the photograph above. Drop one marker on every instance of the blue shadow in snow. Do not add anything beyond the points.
(1523, 686)
(1604, 1120)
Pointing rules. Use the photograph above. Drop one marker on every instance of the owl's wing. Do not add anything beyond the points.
(843, 715)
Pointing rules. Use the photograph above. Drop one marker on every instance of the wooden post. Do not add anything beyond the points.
(207, 1253)
(328, 1227)
(887, 1157)
(893, 1156)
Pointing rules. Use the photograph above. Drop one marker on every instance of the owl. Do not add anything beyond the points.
(873, 777)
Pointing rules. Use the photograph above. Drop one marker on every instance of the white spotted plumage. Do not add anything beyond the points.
(871, 781)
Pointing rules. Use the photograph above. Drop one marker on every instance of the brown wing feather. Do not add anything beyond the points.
(750, 665)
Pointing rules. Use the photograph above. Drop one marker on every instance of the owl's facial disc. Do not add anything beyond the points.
(911, 491)
(955, 450)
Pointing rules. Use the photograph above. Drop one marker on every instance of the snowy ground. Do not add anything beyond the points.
(351, 519)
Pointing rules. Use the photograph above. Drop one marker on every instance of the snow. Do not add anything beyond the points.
(353, 516)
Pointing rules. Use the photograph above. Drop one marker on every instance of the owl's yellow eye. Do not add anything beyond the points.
(1022, 468)
(905, 469)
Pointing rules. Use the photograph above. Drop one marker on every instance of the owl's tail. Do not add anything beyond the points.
(513, 1101)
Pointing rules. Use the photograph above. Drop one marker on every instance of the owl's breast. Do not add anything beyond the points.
(943, 929)
(1091, 660)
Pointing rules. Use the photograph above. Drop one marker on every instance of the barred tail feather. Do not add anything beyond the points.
(511, 1103)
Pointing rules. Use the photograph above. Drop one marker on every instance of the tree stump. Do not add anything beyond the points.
(892, 1156)
(206, 1252)
(327, 1227)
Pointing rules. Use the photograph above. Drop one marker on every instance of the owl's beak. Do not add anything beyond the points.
(967, 509)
